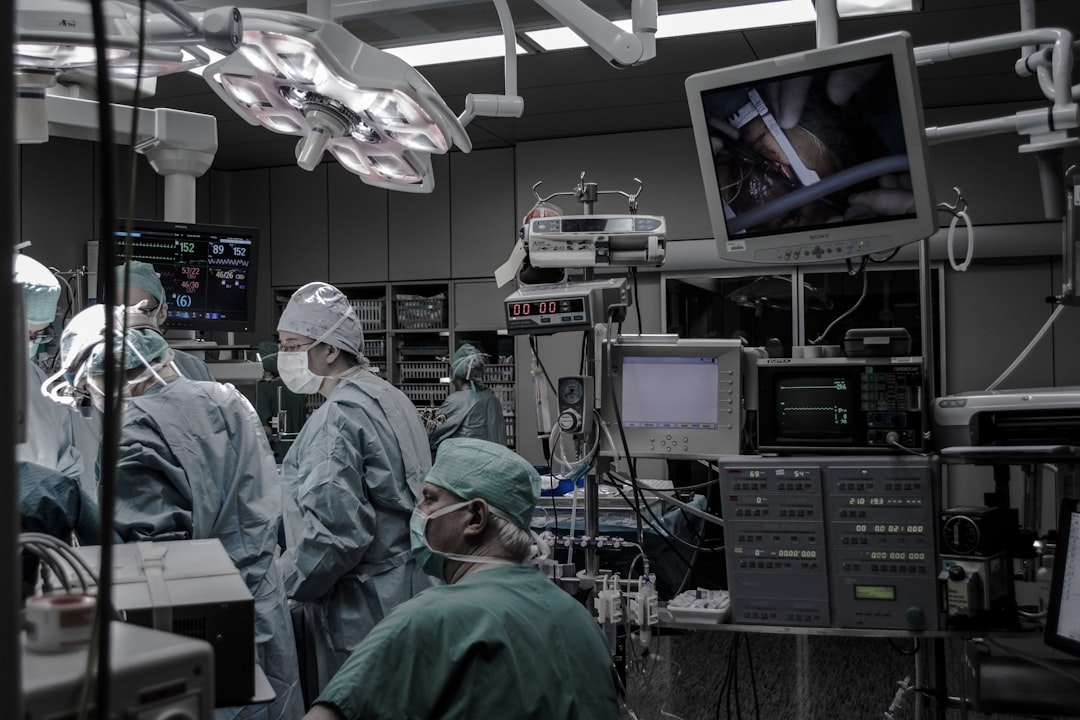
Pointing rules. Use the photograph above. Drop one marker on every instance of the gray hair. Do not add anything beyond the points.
(517, 542)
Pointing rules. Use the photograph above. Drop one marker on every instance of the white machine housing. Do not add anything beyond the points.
(583, 241)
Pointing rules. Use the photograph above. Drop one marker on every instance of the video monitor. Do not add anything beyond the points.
(1063, 615)
(818, 156)
(208, 271)
(678, 398)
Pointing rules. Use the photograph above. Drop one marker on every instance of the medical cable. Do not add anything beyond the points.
(1030, 346)
(637, 302)
(630, 464)
(961, 267)
(853, 308)
(543, 370)
(101, 679)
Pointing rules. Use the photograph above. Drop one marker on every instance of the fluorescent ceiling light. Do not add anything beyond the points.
(740, 17)
(850, 8)
(480, 48)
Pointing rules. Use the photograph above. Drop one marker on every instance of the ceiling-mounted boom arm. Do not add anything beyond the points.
(608, 40)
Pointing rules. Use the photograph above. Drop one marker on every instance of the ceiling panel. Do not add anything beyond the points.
(575, 93)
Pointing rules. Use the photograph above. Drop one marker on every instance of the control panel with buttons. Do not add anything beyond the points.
(833, 541)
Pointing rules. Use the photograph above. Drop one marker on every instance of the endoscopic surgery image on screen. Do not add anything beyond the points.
(810, 149)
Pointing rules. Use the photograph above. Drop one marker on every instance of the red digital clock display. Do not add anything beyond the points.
(545, 307)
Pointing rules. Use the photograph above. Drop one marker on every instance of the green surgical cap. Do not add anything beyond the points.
(316, 308)
(144, 277)
(473, 468)
(269, 363)
(465, 359)
(82, 343)
(41, 290)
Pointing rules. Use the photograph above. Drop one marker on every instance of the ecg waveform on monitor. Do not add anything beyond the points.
(229, 262)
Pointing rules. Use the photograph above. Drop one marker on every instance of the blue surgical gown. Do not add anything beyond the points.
(351, 480)
(50, 434)
(470, 413)
(191, 367)
(194, 463)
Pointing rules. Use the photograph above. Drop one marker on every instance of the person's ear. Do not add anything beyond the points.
(162, 312)
(332, 353)
(476, 518)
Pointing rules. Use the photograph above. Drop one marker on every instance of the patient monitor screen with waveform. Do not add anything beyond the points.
(815, 405)
(207, 271)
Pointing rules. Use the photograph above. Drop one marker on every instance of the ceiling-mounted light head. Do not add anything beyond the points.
(376, 114)
(55, 43)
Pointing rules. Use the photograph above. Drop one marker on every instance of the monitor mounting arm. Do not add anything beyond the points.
(619, 48)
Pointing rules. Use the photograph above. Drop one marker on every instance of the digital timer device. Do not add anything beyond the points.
(559, 307)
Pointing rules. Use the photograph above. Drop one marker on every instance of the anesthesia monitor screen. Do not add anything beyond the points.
(817, 405)
(207, 272)
(670, 392)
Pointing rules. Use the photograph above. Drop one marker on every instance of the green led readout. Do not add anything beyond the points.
(875, 592)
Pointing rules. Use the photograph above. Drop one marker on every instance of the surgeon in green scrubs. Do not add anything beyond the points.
(472, 410)
(499, 640)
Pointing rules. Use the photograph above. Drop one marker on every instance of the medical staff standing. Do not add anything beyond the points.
(351, 479)
(193, 463)
(500, 640)
(52, 497)
(142, 285)
(472, 410)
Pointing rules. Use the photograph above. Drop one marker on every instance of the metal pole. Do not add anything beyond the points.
(11, 682)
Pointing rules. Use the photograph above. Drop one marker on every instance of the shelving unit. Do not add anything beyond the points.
(410, 334)
(422, 342)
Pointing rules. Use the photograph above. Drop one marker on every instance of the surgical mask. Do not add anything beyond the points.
(34, 347)
(431, 560)
(295, 373)
(293, 365)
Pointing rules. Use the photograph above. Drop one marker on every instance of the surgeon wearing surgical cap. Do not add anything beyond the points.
(193, 463)
(500, 639)
(49, 461)
(351, 480)
(138, 285)
(472, 410)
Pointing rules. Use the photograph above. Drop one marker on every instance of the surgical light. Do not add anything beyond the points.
(300, 75)
(54, 42)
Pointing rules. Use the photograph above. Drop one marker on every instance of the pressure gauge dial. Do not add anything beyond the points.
(960, 535)
(572, 391)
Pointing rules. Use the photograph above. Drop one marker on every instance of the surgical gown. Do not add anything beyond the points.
(470, 414)
(499, 643)
(351, 480)
(191, 367)
(194, 463)
(50, 434)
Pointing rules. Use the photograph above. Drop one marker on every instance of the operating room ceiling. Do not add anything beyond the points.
(575, 93)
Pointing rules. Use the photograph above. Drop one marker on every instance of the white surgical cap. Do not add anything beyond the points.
(41, 289)
(317, 309)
